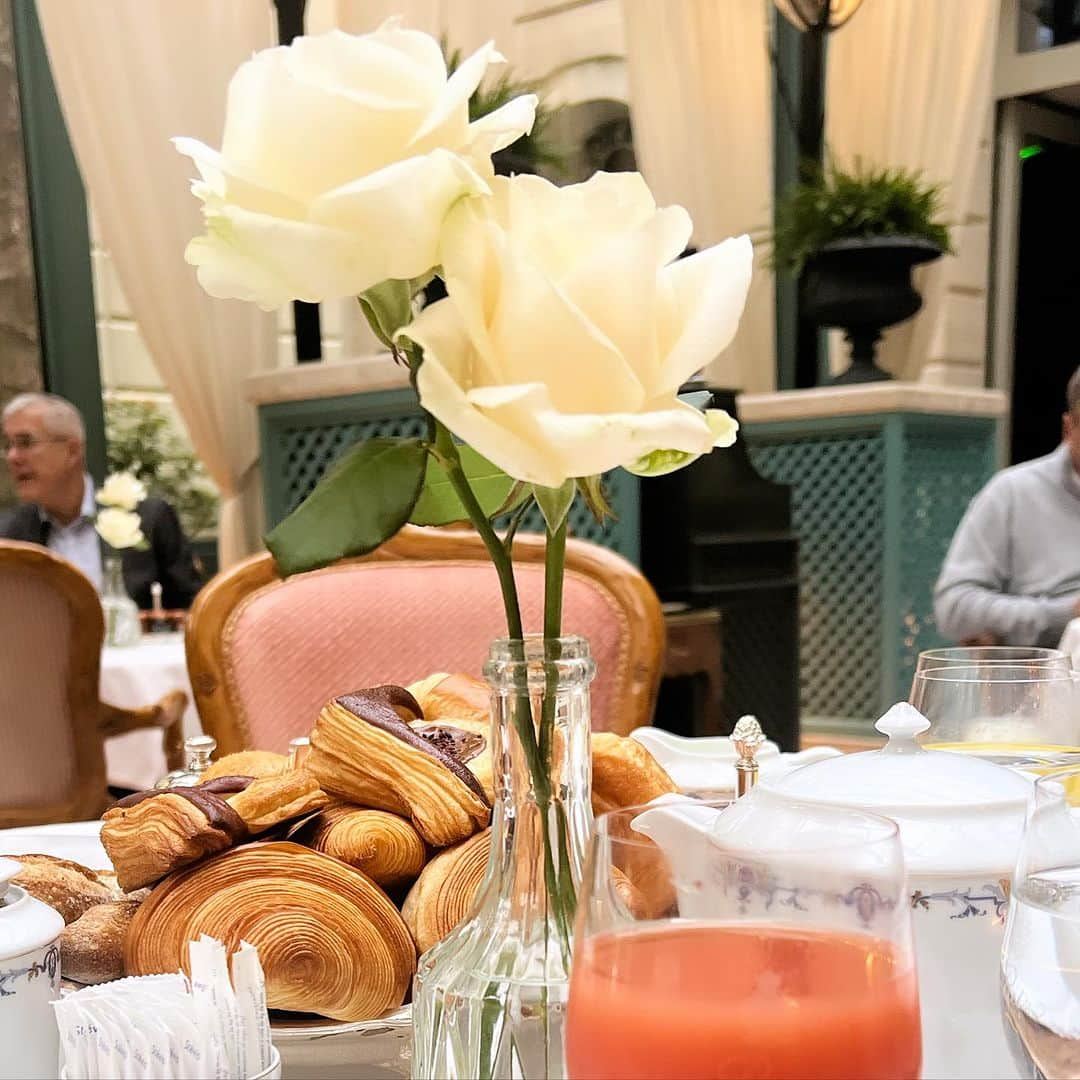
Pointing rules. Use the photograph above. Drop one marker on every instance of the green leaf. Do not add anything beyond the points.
(362, 501)
(438, 503)
(595, 496)
(387, 307)
(555, 503)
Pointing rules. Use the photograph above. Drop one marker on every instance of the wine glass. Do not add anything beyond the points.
(1040, 959)
(977, 655)
(763, 938)
(1022, 715)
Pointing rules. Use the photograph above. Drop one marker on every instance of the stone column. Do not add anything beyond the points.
(20, 352)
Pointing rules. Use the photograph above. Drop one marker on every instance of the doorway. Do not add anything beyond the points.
(1038, 288)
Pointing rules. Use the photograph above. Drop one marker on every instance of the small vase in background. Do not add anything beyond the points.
(121, 613)
(490, 999)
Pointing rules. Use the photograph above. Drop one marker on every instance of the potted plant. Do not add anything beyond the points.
(852, 239)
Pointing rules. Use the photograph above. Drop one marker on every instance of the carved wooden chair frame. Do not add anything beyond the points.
(220, 602)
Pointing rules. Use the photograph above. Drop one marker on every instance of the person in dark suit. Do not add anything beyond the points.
(44, 443)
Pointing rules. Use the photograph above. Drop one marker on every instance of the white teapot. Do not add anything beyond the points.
(961, 820)
(29, 981)
(706, 766)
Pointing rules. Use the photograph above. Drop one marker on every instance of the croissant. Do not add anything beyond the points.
(624, 773)
(386, 847)
(445, 890)
(152, 833)
(254, 763)
(330, 941)
(364, 751)
(460, 702)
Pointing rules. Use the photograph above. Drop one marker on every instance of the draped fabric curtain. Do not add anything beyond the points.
(701, 109)
(130, 75)
(908, 85)
(465, 24)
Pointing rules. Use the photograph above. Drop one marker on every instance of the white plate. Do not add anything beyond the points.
(75, 840)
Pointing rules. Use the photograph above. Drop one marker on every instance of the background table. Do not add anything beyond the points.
(133, 677)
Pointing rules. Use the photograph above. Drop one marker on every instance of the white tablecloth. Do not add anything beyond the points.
(133, 677)
(1070, 642)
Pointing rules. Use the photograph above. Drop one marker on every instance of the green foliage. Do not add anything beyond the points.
(439, 504)
(532, 151)
(836, 204)
(142, 439)
(363, 500)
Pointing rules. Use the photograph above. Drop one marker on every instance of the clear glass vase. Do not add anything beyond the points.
(489, 1001)
(121, 613)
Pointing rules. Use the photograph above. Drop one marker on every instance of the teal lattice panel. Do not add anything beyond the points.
(838, 514)
(300, 440)
(942, 468)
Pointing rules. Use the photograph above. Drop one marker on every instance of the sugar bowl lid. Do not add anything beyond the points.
(26, 924)
(955, 812)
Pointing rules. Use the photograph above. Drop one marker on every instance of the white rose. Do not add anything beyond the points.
(569, 328)
(341, 156)
(123, 490)
(120, 528)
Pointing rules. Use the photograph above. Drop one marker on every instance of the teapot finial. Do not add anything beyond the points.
(902, 723)
(747, 737)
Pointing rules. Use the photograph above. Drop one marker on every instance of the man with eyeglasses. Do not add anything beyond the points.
(44, 444)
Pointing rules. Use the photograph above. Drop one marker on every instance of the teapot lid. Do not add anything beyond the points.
(902, 774)
(26, 924)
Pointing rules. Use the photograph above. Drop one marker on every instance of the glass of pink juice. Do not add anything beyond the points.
(777, 945)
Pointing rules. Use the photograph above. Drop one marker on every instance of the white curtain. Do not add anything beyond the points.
(466, 24)
(701, 108)
(908, 85)
(130, 75)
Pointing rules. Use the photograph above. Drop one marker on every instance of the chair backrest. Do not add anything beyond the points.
(265, 654)
(52, 759)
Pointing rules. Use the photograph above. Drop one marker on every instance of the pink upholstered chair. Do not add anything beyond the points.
(52, 725)
(265, 654)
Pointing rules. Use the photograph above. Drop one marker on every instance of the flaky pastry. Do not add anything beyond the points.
(365, 750)
(329, 939)
(254, 763)
(445, 890)
(386, 847)
(152, 833)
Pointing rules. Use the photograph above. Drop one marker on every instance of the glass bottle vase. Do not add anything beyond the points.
(489, 1001)
(121, 613)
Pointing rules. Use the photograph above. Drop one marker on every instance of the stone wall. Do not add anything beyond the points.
(20, 354)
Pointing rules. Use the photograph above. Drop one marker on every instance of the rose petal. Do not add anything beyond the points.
(447, 354)
(702, 298)
(403, 206)
(447, 124)
(268, 260)
(503, 126)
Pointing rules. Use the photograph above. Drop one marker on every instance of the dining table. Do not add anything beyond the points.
(135, 676)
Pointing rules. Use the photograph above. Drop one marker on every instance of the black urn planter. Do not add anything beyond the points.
(863, 285)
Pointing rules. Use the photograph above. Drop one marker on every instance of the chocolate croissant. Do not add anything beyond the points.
(366, 750)
(386, 847)
(152, 833)
(329, 940)
(460, 702)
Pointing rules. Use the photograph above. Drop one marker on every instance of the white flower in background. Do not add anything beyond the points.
(570, 326)
(123, 490)
(341, 156)
(120, 528)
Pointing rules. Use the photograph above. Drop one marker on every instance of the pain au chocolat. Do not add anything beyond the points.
(152, 833)
(330, 941)
(373, 748)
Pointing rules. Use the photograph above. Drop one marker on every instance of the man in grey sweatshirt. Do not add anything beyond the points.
(1012, 574)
